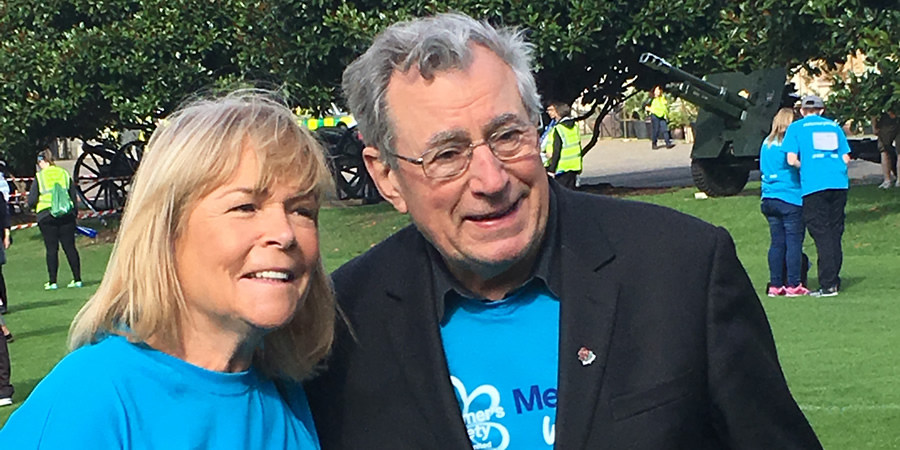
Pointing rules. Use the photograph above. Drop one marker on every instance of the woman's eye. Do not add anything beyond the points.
(306, 212)
(247, 207)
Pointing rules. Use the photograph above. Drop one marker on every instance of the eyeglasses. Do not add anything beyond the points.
(452, 159)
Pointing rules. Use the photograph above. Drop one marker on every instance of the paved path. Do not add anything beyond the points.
(632, 163)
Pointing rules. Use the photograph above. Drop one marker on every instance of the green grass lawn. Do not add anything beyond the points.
(839, 354)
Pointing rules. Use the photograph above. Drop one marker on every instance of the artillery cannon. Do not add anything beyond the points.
(736, 111)
(103, 173)
(344, 152)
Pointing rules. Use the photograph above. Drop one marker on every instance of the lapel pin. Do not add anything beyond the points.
(586, 356)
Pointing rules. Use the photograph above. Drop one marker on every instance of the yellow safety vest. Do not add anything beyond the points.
(659, 107)
(570, 154)
(46, 179)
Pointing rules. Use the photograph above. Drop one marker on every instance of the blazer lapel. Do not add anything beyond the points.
(587, 315)
(415, 335)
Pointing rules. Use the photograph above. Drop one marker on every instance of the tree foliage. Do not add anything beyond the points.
(69, 68)
(861, 97)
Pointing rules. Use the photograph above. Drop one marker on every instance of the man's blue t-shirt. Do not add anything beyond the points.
(821, 144)
(779, 180)
(503, 359)
(118, 395)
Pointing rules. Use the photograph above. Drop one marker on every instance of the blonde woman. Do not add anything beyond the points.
(782, 205)
(215, 303)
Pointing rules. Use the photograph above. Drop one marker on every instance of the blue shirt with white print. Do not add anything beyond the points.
(503, 358)
(821, 144)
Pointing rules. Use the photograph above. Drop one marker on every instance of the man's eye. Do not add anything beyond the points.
(508, 136)
(447, 154)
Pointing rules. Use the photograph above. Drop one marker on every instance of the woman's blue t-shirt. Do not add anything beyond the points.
(779, 180)
(119, 395)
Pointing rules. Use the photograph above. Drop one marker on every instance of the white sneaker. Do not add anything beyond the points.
(6, 401)
(885, 185)
(897, 184)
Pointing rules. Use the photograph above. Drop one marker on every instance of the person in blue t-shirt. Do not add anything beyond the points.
(782, 205)
(819, 148)
(215, 303)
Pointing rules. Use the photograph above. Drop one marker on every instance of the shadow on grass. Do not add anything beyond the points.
(24, 388)
(85, 283)
(41, 332)
(848, 282)
(872, 213)
(609, 189)
(40, 304)
(750, 192)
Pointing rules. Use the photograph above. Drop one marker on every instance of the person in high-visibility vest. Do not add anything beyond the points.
(562, 146)
(658, 107)
(58, 229)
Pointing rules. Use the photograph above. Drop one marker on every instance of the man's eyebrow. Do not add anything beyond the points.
(461, 135)
(446, 136)
(502, 121)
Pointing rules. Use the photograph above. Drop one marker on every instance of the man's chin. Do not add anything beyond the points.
(493, 259)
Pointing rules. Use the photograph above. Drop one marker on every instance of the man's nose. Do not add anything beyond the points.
(487, 174)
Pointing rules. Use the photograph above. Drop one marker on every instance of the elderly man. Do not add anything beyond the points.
(819, 148)
(514, 314)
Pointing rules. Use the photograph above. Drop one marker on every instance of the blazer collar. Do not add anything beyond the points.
(414, 331)
(590, 291)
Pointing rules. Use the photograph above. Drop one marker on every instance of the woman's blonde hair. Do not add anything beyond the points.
(780, 124)
(194, 151)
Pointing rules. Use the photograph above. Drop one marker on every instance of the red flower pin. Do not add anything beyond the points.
(586, 356)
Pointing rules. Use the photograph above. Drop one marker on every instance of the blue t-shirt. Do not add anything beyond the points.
(503, 359)
(779, 180)
(821, 144)
(118, 395)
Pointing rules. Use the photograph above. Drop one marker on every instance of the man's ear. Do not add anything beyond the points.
(385, 178)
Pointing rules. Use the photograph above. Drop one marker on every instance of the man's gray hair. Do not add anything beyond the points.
(431, 45)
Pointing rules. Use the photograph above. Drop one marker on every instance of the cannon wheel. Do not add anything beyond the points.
(353, 180)
(718, 179)
(103, 175)
(350, 176)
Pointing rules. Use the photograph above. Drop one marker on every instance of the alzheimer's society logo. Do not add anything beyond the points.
(479, 409)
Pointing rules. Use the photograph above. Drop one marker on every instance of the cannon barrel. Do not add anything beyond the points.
(699, 91)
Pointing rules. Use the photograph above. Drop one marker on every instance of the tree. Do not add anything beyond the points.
(591, 49)
(70, 68)
(860, 97)
(796, 33)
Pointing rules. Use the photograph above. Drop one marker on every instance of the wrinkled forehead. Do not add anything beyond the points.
(475, 98)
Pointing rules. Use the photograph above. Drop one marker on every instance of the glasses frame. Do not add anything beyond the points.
(469, 150)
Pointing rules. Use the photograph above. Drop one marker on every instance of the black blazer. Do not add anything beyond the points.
(685, 355)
